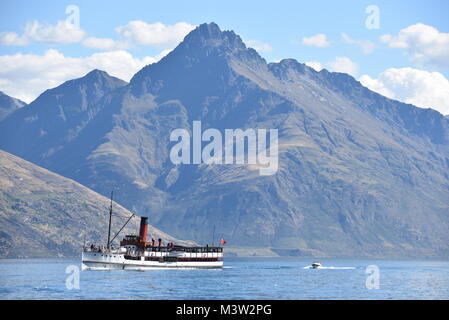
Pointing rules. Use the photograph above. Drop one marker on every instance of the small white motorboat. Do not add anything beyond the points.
(316, 265)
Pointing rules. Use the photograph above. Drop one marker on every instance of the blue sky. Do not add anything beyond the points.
(277, 27)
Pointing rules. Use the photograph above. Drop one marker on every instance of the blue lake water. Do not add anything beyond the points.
(250, 278)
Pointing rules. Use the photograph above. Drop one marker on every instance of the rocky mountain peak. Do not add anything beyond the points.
(210, 34)
(97, 74)
(207, 49)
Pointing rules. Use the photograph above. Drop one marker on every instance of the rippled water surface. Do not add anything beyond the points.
(276, 278)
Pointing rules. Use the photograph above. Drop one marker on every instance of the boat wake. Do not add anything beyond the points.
(332, 268)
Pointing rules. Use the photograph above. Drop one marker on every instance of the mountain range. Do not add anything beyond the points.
(359, 174)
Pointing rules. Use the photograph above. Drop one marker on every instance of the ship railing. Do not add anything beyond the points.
(104, 249)
(185, 249)
(100, 249)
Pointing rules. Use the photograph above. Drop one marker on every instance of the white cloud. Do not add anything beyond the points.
(315, 65)
(376, 85)
(343, 64)
(12, 39)
(154, 34)
(134, 33)
(318, 40)
(143, 33)
(425, 44)
(25, 76)
(419, 87)
(339, 64)
(259, 45)
(61, 32)
(366, 45)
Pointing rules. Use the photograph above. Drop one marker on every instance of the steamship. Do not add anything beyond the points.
(136, 253)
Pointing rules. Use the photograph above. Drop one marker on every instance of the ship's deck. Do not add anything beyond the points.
(206, 249)
(184, 249)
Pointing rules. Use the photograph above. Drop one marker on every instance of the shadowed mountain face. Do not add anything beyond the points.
(359, 175)
(8, 105)
(45, 215)
(56, 117)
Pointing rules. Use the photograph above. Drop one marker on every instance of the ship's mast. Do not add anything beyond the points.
(129, 219)
(110, 220)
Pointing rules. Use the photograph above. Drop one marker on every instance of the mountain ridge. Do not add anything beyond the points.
(9, 105)
(67, 107)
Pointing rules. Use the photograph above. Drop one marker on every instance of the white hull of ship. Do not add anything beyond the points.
(96, 261)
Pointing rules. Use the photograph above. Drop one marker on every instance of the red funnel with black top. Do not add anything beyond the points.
(143, 229)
